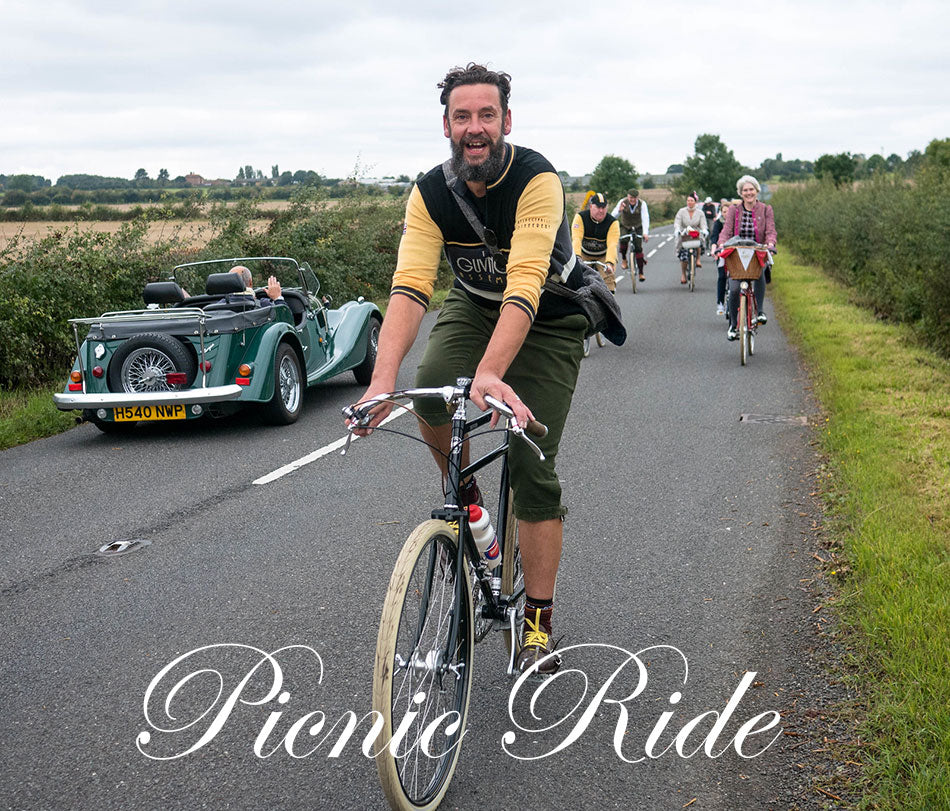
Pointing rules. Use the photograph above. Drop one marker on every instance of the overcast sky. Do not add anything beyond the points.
(349, 87)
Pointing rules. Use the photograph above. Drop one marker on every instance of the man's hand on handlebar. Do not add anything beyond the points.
(486, 383)
(379, 412)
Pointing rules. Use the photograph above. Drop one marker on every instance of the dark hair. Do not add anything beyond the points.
(474, 73)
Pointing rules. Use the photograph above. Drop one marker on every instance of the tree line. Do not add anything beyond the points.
(712, 170)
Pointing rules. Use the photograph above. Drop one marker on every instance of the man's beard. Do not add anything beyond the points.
(484, 172)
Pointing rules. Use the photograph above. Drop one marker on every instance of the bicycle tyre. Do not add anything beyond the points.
(743, 325)
(632, 264)
(692, 271)
(512, 573)
(753, 325)
(426, 567)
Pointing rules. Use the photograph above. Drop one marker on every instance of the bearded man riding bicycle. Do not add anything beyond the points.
(497, 325)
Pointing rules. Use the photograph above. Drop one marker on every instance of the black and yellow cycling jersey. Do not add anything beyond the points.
(523, 209)
(595, 240)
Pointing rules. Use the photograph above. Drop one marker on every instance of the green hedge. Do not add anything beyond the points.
(350, 243)
(67, 274)
(888, 240)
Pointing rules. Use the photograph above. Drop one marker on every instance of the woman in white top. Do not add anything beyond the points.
(688, 218)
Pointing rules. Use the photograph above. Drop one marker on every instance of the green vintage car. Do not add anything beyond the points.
(188, 356)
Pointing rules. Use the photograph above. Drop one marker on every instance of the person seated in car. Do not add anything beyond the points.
(273, 289)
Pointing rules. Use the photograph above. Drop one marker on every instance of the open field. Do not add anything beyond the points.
(193, 231)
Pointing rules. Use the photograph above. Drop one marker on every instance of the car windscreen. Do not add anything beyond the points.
(193, 277)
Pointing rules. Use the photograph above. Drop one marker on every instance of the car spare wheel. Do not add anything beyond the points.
(142, 363)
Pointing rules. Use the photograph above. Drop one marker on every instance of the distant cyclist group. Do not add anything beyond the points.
(600, 237)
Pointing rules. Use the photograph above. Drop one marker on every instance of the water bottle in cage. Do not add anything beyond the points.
(483, 533)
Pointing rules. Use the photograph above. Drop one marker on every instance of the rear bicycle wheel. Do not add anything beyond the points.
(512, 574)
(415, 672)
(743, 324)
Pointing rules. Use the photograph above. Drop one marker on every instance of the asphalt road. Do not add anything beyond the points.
(687, 529)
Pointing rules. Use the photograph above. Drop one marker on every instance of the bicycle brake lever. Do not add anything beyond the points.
(517, 429)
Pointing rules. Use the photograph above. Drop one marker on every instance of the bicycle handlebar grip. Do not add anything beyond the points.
(538, 429)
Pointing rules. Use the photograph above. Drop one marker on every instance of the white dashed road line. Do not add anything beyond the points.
(317, 454)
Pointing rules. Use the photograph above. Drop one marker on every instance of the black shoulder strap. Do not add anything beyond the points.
(450, 180)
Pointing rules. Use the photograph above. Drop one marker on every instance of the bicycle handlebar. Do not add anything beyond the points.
(359, 413)
(535, 428)
(746, 243)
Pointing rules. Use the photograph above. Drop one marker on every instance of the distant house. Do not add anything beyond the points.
(194, 180)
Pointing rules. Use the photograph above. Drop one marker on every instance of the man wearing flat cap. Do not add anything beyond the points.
(595, 234)
(634, 219)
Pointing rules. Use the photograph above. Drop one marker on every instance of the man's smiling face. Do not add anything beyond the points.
(477, 128)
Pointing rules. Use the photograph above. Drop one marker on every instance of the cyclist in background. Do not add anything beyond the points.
(688, 218)
(594, 234)
(750, 219)
(634, 216)
(713, 239)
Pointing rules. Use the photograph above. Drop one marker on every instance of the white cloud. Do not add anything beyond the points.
(108, 87)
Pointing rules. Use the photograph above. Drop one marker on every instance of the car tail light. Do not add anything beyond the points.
(176, 378)
(244, 370)
(76, 376)
(205, 366)
(75, 386)
(243, 381)
(97, 371)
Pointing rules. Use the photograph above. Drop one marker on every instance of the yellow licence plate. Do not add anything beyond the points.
(149, 412)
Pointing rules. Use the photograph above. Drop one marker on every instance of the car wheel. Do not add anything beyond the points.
(141, 363)
(285, 406)
(364, 372)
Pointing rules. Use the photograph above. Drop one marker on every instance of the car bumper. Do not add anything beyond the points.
(67, 401)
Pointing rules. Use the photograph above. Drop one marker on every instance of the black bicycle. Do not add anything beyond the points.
(438, 605)
(628, 247)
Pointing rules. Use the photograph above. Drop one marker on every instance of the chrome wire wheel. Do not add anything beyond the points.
(144, 370)
(289, 383)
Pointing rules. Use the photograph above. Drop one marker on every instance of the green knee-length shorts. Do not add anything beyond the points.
(543, 374)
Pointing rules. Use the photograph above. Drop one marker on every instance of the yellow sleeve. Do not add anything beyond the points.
(577, 233)
(539, 213)
(613, 237)
(420, 251)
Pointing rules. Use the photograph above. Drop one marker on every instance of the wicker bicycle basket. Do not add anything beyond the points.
(736, 271)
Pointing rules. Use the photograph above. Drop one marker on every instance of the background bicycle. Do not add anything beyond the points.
(745, 261)
(630, 244)
(692, 243)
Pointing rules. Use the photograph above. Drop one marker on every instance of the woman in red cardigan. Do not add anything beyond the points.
(752, 219)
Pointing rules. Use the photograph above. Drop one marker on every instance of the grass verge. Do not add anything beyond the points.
(887, 438)
(26, 415)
